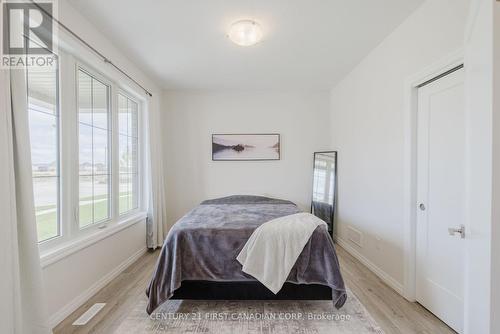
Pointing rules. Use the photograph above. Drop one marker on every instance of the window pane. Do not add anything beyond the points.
(42, 90)
(125, 188)
(134, 199)
(122, 115)
(123, 154)
(46, 194)
(84, 98)
(128, 153)
(94, 146)
(100, 151)
(44, 143)
(133, 146)
(132, 123)
(101, 198)
(43, 112)
(85, 150)
(100, 104)
(85, 202)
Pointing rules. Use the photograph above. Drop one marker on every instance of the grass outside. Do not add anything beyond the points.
(46, 222)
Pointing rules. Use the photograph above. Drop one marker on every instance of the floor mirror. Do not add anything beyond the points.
(324, 187)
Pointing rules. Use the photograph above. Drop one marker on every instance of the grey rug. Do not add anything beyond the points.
(226, 317)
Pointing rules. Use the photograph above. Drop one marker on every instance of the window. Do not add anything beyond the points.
(85, 136)
(93, 143)
(43, 112)
(128, 162)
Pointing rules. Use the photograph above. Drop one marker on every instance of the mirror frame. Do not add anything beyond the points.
(334, 204)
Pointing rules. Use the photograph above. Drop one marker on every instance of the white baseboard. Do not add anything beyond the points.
(72, 306)
(385, 277)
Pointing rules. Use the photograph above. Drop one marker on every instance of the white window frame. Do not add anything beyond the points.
(72, 236)
(140, 154)
(79, 66)
(59, 157)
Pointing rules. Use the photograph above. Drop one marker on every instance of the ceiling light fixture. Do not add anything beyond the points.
(245, 32)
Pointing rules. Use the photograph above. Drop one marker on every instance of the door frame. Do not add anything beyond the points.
(411, 86)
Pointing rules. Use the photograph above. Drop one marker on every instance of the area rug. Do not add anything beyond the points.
(242, 317)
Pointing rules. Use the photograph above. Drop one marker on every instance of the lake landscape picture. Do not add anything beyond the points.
(245, 147)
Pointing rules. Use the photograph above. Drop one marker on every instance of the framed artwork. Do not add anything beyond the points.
(244, 147)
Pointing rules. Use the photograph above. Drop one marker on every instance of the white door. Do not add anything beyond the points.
(441, 198)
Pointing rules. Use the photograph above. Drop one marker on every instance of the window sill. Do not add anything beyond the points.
(58, 253)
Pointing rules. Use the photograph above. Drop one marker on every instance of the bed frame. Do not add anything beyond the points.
(251, 290)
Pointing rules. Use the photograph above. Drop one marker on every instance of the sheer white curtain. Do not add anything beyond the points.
(21, 296)
(157, 221)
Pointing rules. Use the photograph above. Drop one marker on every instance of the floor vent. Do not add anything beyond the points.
(89, 314)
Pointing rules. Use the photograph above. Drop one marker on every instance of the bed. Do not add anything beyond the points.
(198, 258)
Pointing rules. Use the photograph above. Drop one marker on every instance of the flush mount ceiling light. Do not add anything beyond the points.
(245, 32)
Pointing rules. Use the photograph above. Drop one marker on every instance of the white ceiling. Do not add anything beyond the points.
(308, 44)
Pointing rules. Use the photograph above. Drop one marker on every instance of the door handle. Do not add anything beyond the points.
(453, 230)
(421, 206)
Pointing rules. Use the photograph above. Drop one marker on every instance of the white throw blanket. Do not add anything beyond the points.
(274, 247)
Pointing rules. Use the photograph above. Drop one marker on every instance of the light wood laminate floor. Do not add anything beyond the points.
(393, 313)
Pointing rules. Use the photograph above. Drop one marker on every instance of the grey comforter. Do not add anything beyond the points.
(203, 245)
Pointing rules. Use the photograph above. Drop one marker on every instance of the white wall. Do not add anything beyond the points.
(483, 241)
(190, 118)
(73, 279)
(367, 110)
(495, 235)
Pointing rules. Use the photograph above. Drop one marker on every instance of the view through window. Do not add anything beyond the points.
(129, 141)
(93, 142)
(43, 112)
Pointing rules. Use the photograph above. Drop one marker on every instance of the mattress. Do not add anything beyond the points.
(203, 246)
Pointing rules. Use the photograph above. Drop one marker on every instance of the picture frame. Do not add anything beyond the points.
(246, 147)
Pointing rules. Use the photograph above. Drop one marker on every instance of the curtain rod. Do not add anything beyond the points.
(97, 52)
